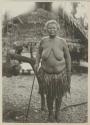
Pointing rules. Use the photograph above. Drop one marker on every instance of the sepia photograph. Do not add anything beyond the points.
(45, 62)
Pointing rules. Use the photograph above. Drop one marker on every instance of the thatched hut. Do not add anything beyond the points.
(29, 28)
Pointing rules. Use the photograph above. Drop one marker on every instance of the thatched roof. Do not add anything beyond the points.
(39, 14)
(74, 22)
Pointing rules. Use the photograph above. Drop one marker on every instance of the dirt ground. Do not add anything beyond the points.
(16, 92)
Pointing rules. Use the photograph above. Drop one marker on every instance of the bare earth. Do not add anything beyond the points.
(16, 92)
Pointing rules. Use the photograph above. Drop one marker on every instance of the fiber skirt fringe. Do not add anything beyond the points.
(54, 85)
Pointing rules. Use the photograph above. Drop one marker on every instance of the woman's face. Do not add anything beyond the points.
(52, 29)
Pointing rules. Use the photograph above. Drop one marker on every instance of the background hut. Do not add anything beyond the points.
(27, 30)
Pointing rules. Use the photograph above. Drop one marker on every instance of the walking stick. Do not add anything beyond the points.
(27, 112)
(29, 100)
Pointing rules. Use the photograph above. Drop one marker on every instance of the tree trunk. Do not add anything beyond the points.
(23, 59)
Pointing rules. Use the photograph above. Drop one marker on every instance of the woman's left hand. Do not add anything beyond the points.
(69, 77)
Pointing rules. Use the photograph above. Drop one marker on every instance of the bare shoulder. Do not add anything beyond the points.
(62, 41)
(45, 38)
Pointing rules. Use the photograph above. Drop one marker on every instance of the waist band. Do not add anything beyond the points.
(63, 70)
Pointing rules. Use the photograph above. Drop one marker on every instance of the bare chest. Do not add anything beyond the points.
(53, 49)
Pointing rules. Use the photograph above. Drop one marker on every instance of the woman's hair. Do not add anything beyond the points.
(52, 22)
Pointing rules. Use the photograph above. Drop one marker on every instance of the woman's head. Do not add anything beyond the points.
(52, 27)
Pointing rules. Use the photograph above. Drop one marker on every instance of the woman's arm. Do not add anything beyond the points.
(38, 56)
(67, 60)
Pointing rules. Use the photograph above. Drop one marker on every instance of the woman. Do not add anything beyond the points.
(54, 73)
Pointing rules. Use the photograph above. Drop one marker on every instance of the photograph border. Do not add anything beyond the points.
(88, 10)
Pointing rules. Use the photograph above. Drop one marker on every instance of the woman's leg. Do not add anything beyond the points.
(57, 107)
(50, 107)
(42, 102)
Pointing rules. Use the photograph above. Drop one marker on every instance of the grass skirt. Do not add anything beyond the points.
(54, 85)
